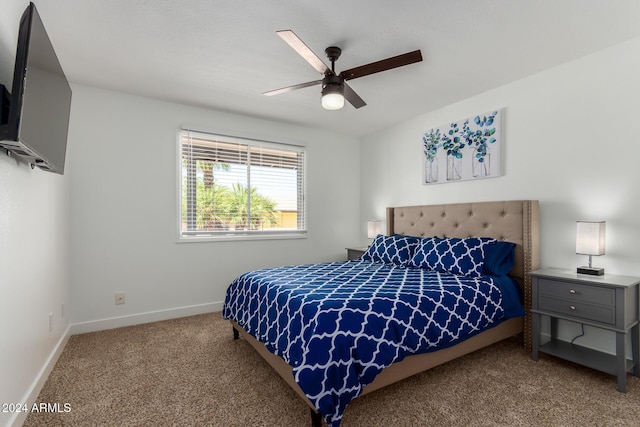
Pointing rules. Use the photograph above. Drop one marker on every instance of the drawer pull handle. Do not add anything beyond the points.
(572, 291)
(572, 307)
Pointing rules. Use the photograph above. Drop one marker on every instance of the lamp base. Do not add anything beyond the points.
(594, 271)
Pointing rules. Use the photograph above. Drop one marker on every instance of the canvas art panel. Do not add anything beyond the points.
(463, 150)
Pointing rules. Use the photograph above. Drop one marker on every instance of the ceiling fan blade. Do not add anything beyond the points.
(383, 65)
(290, 88)
(353, 98)
(303, 50)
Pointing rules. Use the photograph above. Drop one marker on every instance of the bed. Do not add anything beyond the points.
(292, 315)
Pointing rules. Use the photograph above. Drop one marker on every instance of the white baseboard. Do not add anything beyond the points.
(137, 319)
(32, 393)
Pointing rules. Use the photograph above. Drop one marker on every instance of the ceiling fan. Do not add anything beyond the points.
(334, 86)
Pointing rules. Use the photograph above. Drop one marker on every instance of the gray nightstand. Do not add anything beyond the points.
(356, 252)
(607, 302)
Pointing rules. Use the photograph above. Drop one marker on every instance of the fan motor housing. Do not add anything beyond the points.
(332, 80)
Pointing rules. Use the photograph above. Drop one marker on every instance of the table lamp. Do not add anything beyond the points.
(590, 237)
(374, 227)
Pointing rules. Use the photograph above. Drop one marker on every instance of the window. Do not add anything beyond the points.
(235, 188)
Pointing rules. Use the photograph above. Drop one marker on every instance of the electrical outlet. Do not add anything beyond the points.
(50, 322)
(120, 298)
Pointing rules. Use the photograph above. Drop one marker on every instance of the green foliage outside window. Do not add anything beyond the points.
(220, 207)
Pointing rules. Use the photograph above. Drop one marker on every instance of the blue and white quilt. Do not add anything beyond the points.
(340, 324)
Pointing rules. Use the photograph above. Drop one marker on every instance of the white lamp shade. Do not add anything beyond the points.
(590, 237)
(332, 101)
(374, 227)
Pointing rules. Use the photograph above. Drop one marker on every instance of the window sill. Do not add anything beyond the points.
(240, 237)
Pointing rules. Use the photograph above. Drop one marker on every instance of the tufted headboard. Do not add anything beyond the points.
(515, 221)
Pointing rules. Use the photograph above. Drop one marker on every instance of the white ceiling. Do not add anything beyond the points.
(224, 54)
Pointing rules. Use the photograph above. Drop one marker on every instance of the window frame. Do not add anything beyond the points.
(232, 235)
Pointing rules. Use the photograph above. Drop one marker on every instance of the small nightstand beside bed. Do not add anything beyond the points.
(336, 331)
(606, 302)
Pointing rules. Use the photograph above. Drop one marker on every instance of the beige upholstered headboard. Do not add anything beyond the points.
(515, 221)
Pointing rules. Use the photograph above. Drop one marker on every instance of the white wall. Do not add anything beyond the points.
(569, 141)
(124, 204)
(34, 256)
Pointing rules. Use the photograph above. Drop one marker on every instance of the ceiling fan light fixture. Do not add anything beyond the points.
(332, 101)
(332, 93)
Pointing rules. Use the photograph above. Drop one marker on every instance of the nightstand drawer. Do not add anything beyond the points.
(577, 293)
(597, 313)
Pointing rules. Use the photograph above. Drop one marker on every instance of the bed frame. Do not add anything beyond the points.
(515, 221)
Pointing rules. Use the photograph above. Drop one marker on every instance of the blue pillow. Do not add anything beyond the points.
(426, 247)
(452, 255)
(499, 258)
(394, 249)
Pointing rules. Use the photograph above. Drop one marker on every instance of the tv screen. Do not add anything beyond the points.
(40, 101)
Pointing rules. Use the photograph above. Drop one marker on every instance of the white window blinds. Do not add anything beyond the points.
(235, 186)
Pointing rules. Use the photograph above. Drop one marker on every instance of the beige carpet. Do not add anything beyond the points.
(190, 372)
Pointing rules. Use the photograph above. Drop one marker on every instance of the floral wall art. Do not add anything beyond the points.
(463, 150)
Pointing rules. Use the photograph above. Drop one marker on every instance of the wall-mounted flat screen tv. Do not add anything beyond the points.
(40, 101)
